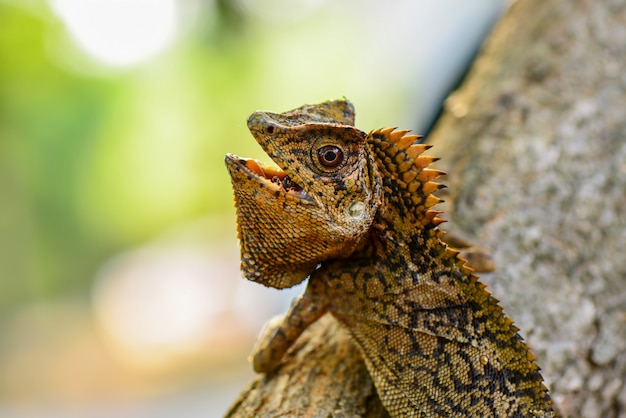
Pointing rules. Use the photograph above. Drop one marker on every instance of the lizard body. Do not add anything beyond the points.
(352, 212)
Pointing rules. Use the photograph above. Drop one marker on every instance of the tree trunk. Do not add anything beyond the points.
(535, 146)
(322, 376)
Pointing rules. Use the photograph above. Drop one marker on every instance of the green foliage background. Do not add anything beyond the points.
(95, 160)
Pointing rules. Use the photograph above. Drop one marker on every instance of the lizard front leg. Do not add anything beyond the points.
(282, 331)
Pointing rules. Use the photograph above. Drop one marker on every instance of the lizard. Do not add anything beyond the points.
(353, 212)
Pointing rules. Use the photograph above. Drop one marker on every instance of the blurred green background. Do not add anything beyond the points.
(114, 120)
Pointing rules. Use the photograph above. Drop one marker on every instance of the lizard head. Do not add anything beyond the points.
(317, 203)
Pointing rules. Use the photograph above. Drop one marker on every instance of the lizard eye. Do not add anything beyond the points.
(330, 156)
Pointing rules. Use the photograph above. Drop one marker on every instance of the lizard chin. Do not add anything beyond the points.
(268, 176)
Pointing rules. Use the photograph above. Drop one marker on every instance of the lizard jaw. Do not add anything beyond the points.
(268, 176)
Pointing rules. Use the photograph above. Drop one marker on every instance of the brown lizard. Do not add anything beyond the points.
(352, 212)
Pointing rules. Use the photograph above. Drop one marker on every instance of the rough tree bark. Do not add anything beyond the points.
(535, 146)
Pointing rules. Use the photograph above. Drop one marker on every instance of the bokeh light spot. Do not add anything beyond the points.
(119, 33)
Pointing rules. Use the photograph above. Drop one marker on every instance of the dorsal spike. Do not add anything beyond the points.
(407, 183)
(433, 213)
(432, 201)
(424, 161)
(429, 174)
(416, 149)
(397, 135)
(385, 131)
(436, 221)
(431, 216)
(431, 186)
(406, 141)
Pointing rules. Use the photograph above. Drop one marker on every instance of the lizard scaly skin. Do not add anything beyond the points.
(352, 212)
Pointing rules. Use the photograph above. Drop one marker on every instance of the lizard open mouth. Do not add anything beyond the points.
(270, 176)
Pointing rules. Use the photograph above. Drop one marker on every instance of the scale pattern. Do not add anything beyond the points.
(355, 218)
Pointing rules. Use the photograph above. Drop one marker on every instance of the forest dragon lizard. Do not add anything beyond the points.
(352, 212)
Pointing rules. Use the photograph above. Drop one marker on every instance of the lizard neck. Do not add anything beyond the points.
(411, 255)
(404, 236)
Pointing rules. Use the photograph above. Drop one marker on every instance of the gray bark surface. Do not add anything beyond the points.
(535, 146)
(322, 376)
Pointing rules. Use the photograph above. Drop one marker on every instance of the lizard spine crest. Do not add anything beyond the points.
(407, 180)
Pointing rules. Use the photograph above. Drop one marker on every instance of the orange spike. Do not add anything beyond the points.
(428, 174)
(431, 201)
(424, 161)
(385, 131)
(431, 186)
(437, 221)
(431, 216)
(433, 213)
(406, 141)
(416, 149)
(398, 135)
